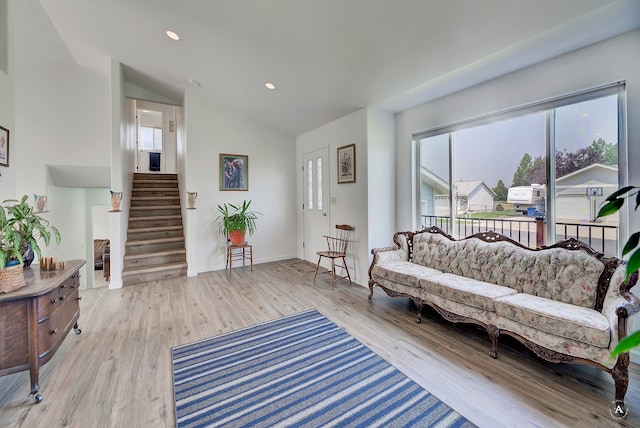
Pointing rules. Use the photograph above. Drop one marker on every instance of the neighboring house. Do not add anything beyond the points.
(431, 186)
(474, 196)
(581, 193)
(470, 195)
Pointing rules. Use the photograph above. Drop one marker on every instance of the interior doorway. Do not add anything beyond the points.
(100, 237)
(155, 137)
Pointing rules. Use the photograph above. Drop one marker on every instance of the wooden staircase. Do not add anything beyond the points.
(155, 241)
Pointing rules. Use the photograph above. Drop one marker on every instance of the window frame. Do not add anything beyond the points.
(545, 106)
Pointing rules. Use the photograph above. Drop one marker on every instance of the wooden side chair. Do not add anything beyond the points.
(337, 249)
(239, 252)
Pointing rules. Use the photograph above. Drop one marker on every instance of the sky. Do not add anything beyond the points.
(492, 152)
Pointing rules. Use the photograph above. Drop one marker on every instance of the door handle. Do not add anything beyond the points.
(324, 214)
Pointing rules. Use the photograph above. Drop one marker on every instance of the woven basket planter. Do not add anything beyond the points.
(11, 278)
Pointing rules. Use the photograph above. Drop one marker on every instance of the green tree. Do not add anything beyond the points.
(501, 191)
(520, 176)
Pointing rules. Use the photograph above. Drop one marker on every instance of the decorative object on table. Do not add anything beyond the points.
(11, 277)
(234, 172)
(347, 164)
(51, 263)
(4, 146)
(40, 202)
(300, 370)
(235, 220)
(116, 198)
(191, 200)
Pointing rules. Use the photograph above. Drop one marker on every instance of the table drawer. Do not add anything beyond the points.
(54, 328)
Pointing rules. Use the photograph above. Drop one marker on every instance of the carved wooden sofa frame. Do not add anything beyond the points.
(619, 372)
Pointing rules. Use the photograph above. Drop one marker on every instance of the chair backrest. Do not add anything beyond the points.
(340, 242)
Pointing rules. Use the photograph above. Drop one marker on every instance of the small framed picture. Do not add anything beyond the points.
(4, 146)
(347, 164)
(234, 172)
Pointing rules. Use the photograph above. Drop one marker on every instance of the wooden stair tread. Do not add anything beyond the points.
(156, 217)
(155, 254)
(154, 198)
(156, 189)
(145, 181)
(155, 207)
(154, 241)
(153, 228)
(150, 269)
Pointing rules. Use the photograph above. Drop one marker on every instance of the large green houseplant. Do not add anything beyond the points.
(235, 220)
(614, 202)
(20, 231)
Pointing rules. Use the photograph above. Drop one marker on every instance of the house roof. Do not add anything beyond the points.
(589, 170)
(466, 188)
(328, 58)
(439, 184)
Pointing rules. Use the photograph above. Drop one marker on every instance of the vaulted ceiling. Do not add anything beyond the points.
(327, 58)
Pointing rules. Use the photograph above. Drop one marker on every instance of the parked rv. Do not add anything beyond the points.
(528, 200)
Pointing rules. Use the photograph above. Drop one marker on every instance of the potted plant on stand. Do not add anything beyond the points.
(235, 220)
(20, 231)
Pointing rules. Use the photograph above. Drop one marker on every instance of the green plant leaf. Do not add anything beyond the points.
(631, 243)
(634, 263)
(626, 344)
(611, 207)
(637, 200)
(619, 192)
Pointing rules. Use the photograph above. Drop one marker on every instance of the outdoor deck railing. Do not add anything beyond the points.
(603, 238)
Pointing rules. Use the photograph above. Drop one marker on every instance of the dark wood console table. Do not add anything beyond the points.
(34, 320)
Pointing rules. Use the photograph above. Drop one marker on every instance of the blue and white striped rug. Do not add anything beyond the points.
(297, 371)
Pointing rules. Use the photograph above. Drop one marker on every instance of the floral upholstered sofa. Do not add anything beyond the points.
(566, 302)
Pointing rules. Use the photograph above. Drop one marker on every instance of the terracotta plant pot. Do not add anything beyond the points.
(237, 237)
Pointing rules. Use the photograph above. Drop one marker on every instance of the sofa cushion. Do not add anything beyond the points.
(569, 276)
(561, 319)
(465, 290)
(403, 272)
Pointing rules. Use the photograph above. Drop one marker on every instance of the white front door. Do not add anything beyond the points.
(316, 203)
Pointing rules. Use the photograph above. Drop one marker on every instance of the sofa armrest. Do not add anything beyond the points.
(389, 254)
(630, 306)
(397, 253)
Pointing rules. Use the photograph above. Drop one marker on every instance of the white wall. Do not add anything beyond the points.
(7, 116)
(351, 199)
(62, 109)
(213, 129)
(381, 173)
(123, 147)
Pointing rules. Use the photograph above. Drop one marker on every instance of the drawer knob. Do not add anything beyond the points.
(79, 298)
(54, 331)
(61, 298)
(53, 301)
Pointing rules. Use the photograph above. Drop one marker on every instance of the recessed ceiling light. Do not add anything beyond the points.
(269, 85)
(173, 35)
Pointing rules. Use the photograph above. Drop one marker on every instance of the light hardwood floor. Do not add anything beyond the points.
(117, 373)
